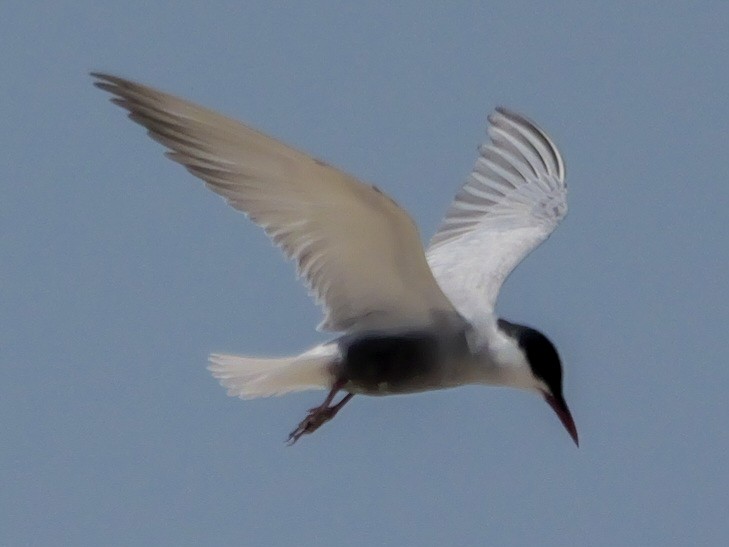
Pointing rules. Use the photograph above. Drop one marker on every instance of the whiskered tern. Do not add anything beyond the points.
(409, 319)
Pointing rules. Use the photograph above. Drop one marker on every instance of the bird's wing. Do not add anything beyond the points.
(358, 251)
(513, 200)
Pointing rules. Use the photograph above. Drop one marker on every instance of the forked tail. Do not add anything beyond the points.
(251, 377)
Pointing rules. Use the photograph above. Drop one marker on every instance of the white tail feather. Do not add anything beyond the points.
(251, 377)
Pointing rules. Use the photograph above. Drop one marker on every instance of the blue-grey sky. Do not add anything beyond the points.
(120, 272)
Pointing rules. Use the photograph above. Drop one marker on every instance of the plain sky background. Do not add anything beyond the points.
(120, 272)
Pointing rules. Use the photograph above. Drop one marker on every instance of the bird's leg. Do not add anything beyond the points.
(321, 414)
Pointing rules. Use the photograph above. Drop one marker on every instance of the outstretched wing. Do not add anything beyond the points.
(358, 251)
(513, 200)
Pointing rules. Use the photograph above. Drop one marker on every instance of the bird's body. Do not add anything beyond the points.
(444, 355)
(409, 320)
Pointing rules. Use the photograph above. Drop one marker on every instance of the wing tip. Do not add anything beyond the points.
(502, 113)
(106, 81)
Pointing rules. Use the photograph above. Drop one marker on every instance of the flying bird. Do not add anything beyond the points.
(408, 319)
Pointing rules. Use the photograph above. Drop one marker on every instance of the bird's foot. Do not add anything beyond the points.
(316, 418)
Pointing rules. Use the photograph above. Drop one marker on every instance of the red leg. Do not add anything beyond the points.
(321, 414)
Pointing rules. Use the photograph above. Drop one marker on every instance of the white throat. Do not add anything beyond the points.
(500, 361)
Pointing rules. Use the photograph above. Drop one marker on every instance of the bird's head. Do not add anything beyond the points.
(545, 367)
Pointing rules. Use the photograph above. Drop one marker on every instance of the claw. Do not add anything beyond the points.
(314, 420)
(317, 417)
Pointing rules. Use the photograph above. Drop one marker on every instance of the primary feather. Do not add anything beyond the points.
(513, 200)
(358, 251)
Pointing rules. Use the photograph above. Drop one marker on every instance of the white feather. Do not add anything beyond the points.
(358, 251)
(513, 200)
(251, 377)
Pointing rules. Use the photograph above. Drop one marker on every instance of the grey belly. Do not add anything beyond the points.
(381, 364)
